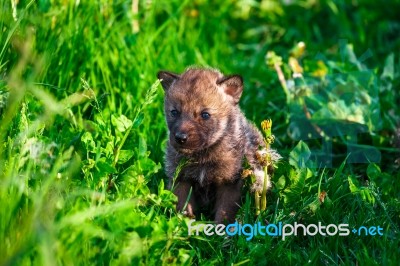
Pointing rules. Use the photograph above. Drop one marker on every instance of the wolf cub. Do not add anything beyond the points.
(209, 133)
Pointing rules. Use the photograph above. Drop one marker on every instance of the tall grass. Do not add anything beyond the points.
(82, 136)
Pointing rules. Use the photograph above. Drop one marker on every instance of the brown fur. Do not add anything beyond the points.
(214, 147)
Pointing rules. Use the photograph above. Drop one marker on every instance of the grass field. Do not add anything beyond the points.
(83, 135)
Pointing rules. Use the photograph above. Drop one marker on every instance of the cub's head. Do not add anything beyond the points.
(200, 106)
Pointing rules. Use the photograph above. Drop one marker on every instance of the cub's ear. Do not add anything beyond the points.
(232, 85)
(167, 78)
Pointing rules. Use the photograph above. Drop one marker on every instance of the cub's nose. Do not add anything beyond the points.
(181, 137)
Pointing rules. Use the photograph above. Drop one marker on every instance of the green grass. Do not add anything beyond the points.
(82, 130)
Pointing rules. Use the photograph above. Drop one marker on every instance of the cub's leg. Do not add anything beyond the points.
(227, 201)
(182, 191)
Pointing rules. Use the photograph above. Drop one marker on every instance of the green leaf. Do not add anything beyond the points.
(298, 183)
(105, 167)
(328, 202)
(364, 192)
(160, 187)
(352, 184)
(281, 183)
(124, 156)
(146, 166)
(299, 156)
(138, 119)
(314, 205)
(388, 70)
(122, 123)
(373, 171)
(142, 146)
(87, 139)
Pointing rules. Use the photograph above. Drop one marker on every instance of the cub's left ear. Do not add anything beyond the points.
(168, 78)
(232, 85)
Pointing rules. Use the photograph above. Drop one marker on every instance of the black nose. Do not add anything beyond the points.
(181, 137)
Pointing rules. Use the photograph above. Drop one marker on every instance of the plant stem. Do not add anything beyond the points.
(257, 202)
(264, 191)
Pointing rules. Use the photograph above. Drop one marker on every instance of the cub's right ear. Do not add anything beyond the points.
(167, 78)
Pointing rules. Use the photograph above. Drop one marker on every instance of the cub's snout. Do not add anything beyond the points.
(185, 135)
(181, 137)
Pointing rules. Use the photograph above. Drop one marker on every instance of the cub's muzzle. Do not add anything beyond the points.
(181, 137)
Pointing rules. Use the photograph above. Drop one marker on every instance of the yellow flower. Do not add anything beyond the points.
(266, 126)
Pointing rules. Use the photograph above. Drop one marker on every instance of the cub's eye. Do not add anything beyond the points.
(205, 115)
(174, 113)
